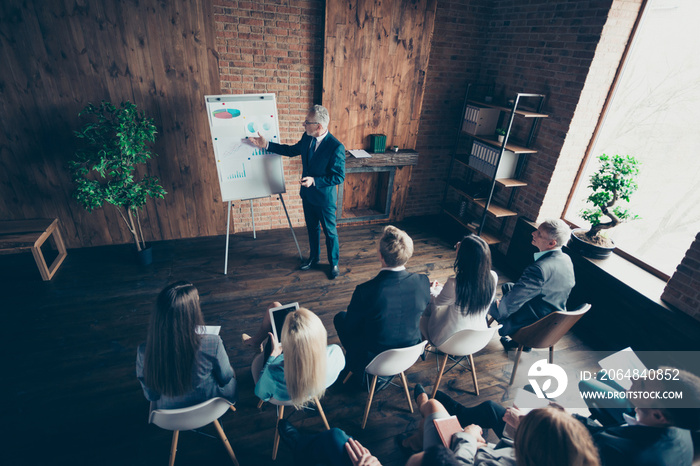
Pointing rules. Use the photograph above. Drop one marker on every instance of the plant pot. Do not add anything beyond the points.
(145, 256)
(587, 249)
(501, 138)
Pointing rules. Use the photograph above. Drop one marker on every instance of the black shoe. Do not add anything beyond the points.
(510, 344)
(307, 264)
(335, 271)
(288, 433)
(417, 391)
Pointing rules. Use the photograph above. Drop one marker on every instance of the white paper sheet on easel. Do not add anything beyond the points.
(360, 153)
(208, 329)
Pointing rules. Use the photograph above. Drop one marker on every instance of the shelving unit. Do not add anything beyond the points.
(474, 175)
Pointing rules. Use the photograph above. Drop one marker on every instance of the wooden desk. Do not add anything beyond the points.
(375, 189)
(20, 235)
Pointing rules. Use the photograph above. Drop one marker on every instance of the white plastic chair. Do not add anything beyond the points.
(191, 418)
(390, 363)
(255, 368)
(464, 344)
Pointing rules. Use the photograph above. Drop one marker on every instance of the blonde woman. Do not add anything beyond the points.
(304, 367)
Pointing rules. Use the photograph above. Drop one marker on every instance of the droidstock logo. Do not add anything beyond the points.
(542, 369)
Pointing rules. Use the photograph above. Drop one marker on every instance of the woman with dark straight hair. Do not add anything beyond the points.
(178, 366)
(465, 299)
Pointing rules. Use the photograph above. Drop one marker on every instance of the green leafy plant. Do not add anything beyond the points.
(501, 131)
(105, 169)
(613, 182)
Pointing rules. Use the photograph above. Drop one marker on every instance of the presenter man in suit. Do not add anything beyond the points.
(384, 313)
(323, 168)
(543, 287)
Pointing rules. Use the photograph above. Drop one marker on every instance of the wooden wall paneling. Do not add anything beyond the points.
(196, 62)
(380, 75)
(165, 74)
(402, 179)
(58, 57)
(360, 191)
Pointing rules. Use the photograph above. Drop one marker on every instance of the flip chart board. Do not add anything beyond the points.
(244, 170)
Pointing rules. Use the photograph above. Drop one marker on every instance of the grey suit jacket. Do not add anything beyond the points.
(542, 289)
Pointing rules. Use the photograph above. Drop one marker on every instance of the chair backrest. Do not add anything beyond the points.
(192, 417)
(469, 341)
(549, 329)
(394, 361)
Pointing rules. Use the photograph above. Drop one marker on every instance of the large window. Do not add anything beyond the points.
(654, 115)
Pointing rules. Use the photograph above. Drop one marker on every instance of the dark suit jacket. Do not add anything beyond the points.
(642, 445)
(327, 166)
(542, 289)
(385, 311)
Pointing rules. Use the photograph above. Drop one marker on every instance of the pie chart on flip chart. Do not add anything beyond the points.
(226, 114)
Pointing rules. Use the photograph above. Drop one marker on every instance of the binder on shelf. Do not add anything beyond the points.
(484, 158)
(480, 120)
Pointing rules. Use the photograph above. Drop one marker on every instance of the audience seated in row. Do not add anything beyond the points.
(178, 367)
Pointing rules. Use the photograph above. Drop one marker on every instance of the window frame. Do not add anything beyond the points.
(594, 137)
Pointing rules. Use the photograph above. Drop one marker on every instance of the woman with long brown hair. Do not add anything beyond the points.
(178, 366)
(465, 299)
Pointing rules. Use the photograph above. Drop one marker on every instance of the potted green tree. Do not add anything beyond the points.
(612, 183)
(105, 168)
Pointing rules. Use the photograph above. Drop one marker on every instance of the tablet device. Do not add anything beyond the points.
(277, 316)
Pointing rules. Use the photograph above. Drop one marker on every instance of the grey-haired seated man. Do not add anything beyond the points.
(543, 287)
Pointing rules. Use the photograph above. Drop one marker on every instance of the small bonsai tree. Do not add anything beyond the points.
(105, 169)
(501, 131)
(613, 182)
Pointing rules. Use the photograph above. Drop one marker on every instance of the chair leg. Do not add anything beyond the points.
(369, 401)
(347, 377)
(515, 366)
(551, 354)
(233, 408)
(173, 447)
(260, 403)
(408, 395)
(476, 383)
(276, 444)
(320, 411)
(227, 445)
(490, 321)
(439, 378)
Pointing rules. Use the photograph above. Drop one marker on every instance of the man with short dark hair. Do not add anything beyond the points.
(384, 313)
(543, 287)
(323, 169)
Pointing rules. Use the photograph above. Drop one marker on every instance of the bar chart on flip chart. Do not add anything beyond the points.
(244, 170)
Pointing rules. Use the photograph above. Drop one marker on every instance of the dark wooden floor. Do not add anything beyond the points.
(69, 392)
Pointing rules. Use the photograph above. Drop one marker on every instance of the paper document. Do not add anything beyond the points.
(208, 329)
(525, 402)
(625, 360)
(360, 153)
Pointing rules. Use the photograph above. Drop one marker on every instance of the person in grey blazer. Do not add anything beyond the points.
(543, 287)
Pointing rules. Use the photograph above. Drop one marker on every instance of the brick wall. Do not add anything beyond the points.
(566, 50)
(460, 26)
(536, 46)
(273, 46)
(683, 289)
